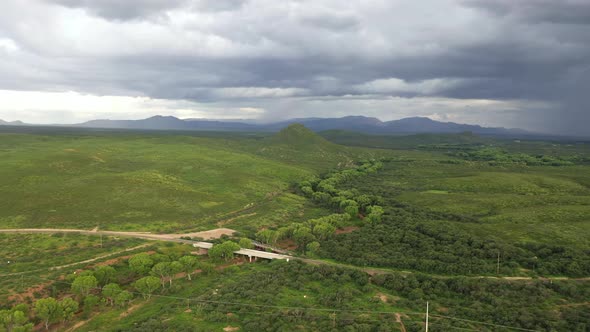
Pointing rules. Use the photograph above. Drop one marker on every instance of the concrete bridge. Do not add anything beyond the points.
(205, 246)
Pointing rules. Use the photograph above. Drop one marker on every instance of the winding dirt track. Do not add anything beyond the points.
(90, 260)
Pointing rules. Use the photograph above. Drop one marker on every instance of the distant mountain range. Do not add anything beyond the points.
(360, 124)
(12, 123)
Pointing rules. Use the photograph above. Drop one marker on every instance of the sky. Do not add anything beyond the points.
(507, 63)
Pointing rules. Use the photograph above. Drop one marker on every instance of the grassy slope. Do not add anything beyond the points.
(152, 181)
(519, 203)
(544, 204)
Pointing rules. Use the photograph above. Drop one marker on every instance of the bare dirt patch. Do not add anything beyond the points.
(30, 292)
(398, 318)
(208, 235)
(231, 328)
(384, 298)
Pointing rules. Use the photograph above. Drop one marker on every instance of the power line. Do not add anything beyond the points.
(251, 304)
(484, 323)
(314, 309)
(454, 327)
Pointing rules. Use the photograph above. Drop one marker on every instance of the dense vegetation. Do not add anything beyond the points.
(286, 296)
(422, 237)
(433, 218)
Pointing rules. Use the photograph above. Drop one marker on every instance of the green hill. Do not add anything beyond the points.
(298, 136)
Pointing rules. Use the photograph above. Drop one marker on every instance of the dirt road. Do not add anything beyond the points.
(218, 232)
(206, 235)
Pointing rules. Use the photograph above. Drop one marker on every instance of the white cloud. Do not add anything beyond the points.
(8, 45)
(396, 85)
(72, 107)
(257, 92)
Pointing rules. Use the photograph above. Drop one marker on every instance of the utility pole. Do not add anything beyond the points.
(426, 316)
(498, 264)
(333, 319)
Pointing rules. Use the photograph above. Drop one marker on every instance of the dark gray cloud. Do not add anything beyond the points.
(565, 11)
(450, 59)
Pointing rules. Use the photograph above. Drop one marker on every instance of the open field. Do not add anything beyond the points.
(152, 182)
(539, 204)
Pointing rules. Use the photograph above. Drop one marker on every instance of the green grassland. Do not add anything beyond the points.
(151, 181)
(511, 191)
(545, 204)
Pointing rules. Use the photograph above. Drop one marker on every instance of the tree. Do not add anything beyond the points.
(162, 270)
(375, 213)
(84, 284)
(90, 302)
(48, 310)
(104, 274)
(323, 230)
(175, 267)
(246, 243)
(110, 291)
(147, 285)
(313, 247)
(302, 236)
(189, 265)
(141, 263)
(68, 307)
(363, 201)
(207, 268)
(267, 236)
(123, 298)
(224, 250)
(352, 210)
(15, 320)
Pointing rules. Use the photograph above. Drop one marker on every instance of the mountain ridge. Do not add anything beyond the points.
(357, 123)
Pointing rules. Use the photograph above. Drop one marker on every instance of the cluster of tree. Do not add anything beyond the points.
(158, 270)
(498, 156)
(91, 288)
(47, 310)
(325, 191)
(416, 238)
(415, 241)
(15, 319)
(225, 250)
(306, 234)
(519, 304)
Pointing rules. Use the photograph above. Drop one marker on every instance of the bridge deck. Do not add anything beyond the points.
(246, 252)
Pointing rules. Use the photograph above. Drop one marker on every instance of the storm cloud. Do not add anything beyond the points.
(503, 63)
